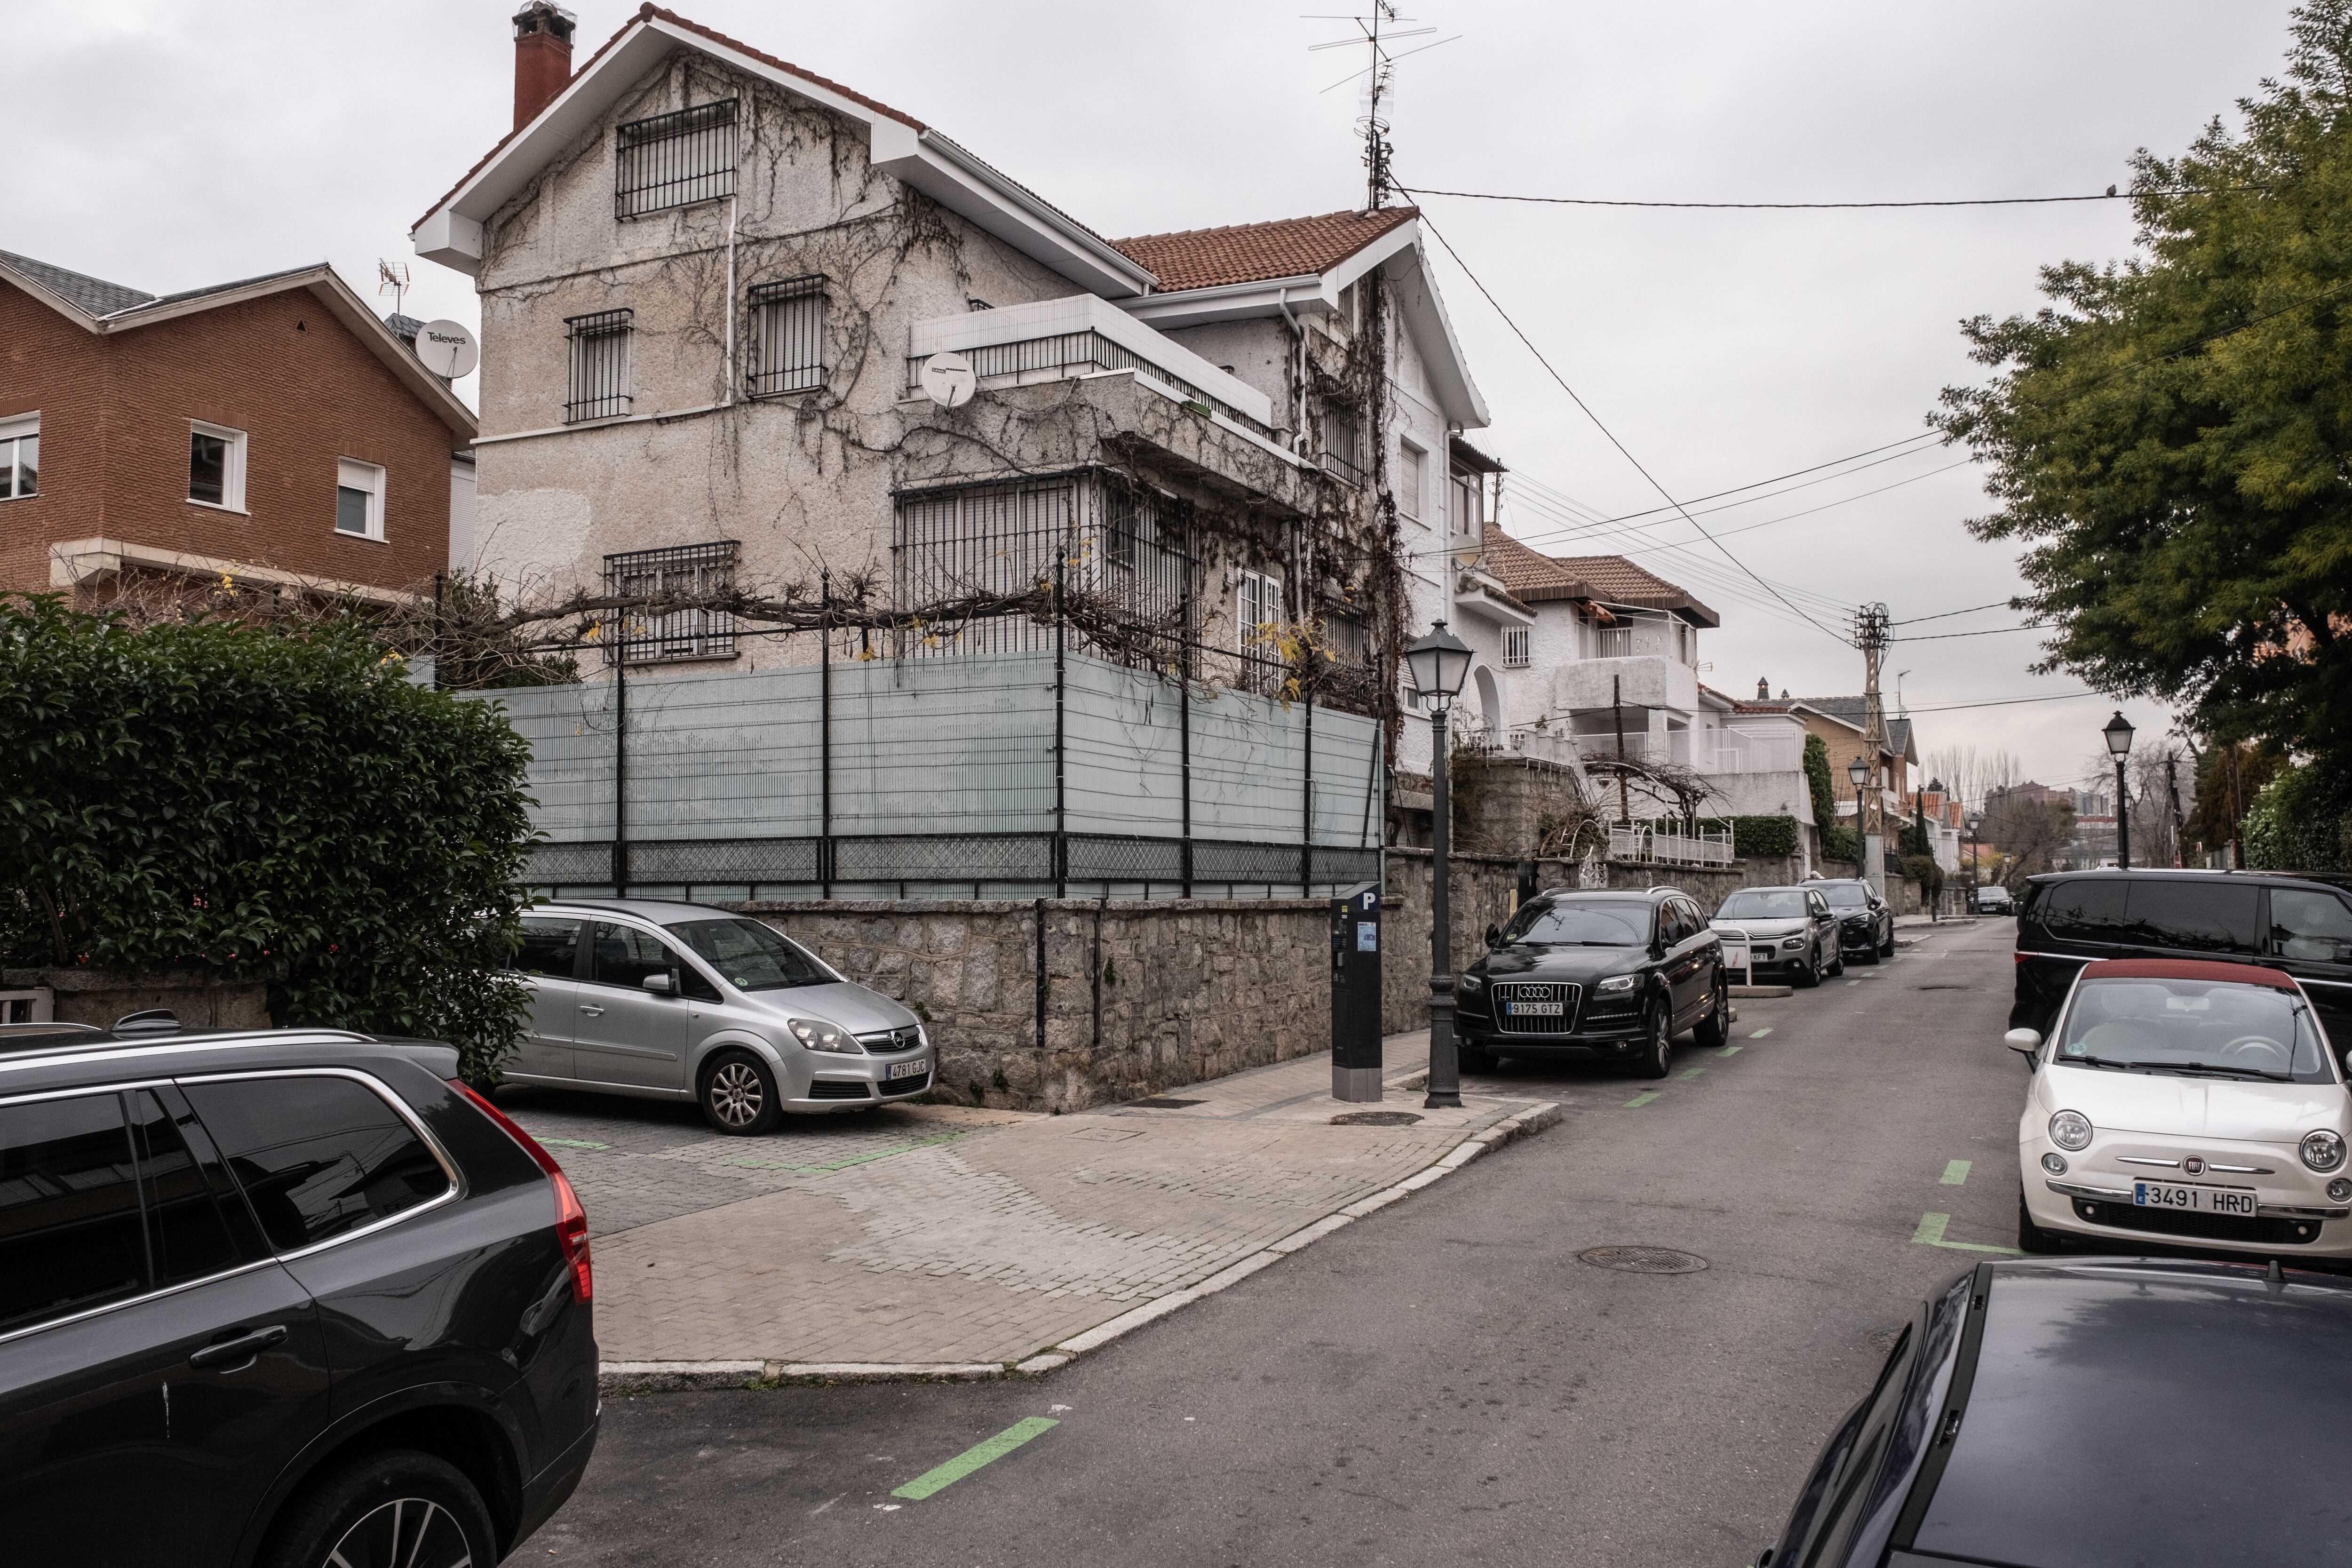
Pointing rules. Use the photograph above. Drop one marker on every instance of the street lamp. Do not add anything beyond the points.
(2119, 733)
(1973, 821)
(1859, 772)
(1439, 664)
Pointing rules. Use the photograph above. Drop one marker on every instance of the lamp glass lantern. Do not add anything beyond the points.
(1858, 771)
(2119, 736)
(1439, 665)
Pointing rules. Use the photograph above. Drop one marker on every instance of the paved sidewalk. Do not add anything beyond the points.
(945, 1237)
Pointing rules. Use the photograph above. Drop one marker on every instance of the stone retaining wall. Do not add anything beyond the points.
(199, 999)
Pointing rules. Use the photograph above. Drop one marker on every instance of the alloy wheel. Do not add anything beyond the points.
(736, 1094)
(406, 1532)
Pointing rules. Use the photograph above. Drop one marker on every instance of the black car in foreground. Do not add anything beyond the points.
(1609, 974)
(289, 1298)
(2098, 1413)
(2301, 924)
(1865, 923)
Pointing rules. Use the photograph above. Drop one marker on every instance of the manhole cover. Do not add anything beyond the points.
(1375, 1118)
(1645, 1259)
(1161, 1102)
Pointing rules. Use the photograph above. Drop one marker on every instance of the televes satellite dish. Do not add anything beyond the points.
(447, 350)
(949, 381)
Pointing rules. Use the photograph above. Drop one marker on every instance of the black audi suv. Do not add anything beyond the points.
(1612, 975)
(288, 1298)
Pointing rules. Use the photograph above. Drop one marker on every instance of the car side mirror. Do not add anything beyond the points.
(2023, 1041)
(1493, 936)
(660, 985)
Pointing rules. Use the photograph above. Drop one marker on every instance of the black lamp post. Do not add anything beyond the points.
(2119, 736)
(1859, 772)
(1974, 821)
(1439, 664)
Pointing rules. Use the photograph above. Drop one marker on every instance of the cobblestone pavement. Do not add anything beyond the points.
(943, 1234)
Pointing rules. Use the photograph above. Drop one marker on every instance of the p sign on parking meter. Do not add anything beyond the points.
(1355, 995)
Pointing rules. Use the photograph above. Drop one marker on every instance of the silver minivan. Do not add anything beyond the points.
(676, 1001)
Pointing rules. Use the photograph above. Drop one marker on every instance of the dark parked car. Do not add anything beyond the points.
(2100, 1413)
(289, 1297)
(1865, 923)
(1612, 974)
(2301, 924)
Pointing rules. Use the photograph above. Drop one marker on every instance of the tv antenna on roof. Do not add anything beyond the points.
(1378, 31)
(392, 278)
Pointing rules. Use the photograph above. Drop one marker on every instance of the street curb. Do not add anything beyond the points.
(1761, 991)
(682, 1376)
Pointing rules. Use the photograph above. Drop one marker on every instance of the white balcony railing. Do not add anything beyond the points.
(1669, 844)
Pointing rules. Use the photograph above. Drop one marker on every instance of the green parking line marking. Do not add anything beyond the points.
(1758, 1034)
(1955, 1172)
(842, 1164)
(1728, 1051)
(944, 1476)
(1643, 1097)
(571, 1143)
(1854, 983)
(1692, 1072)
(1931, 1234)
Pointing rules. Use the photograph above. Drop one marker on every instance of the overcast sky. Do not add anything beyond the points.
(165, 145)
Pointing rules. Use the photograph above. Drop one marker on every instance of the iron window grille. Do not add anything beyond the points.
(1346, 639)
(672, 160)
(599, 364)
(1613, 642)
(1343, 444)
(682, 571)
(1515, 648)
(788, 336)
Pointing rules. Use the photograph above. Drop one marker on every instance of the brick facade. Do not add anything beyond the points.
(115, 409)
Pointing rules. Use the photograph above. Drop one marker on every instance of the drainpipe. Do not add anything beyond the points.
(1298, 378)
(726, 372)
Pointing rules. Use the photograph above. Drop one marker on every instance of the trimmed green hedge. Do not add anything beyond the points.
(1765, 838)
(262, 804)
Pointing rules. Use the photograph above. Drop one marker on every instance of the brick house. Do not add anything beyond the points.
(273, 429)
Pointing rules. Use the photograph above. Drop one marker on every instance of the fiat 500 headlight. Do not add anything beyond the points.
(825, 1037)
(2323, 1150)
(1618, 982)
(2071, 1130)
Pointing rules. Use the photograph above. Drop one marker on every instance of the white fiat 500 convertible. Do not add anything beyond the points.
(2193, 1104)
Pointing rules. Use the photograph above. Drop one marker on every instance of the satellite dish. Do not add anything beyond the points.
(447, 350)
(949, 381)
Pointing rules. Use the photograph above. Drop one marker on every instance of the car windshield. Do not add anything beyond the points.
(1846, 896)
(1590, 925)
(1779, 904)
(2194, 1028)
(750, 956)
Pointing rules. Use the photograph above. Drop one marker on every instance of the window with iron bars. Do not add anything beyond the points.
(1516, 644)
(672, 160)
(788, 336)
(1346, 639)
(682, 572)
(1343, 444)
(599, 386)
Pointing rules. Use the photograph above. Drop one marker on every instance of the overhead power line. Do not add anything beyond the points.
(1605, 430)
(1948, 615)
(1988, 632)
(2110, 194)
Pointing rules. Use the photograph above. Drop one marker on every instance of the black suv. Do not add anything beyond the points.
(2300, 925)
(288, 1298)
(1865, 923)
(1613, 974)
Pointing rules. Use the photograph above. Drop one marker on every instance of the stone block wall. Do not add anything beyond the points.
(98, 996)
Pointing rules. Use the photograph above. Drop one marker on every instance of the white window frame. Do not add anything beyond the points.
(1413, 470)
(232, 466)
(1468, 501)
(1517, 645)
(371, 478)
(18, 428)
(1257, 592)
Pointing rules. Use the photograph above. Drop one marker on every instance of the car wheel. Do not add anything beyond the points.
(1713, 1031)
(1657, 1057)
(739, 1095)
(1474, 1058)
(2031, 1238)
(1808, 974)
(389, 1510)
(1886, 948)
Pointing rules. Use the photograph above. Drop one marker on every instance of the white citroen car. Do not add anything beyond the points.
(2188, 1104)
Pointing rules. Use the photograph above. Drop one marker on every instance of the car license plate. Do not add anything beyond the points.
(915, 1069)
(2238, 1200)
(1535, 1009)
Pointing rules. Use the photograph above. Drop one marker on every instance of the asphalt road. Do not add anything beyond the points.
(1446, 1381)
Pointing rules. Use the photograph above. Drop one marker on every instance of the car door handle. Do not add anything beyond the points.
(593, 1012)
(232, 1355)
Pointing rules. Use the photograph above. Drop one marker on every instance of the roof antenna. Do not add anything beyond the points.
(1378, 30)
(392, 279)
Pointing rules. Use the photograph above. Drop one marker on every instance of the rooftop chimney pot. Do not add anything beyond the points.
(542, 57)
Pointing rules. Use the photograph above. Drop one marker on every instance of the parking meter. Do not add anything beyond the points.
(1355, 995)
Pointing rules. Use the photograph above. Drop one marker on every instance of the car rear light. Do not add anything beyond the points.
(2019, 957)
(571, 1220)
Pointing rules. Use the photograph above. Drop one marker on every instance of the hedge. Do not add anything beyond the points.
(260, 803)
(2301, 821)
(1766, 838)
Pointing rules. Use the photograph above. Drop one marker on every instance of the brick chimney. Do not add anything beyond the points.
(542, 57)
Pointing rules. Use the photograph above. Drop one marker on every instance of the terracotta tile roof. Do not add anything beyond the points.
(1254, 252)
(1618, 581)
(1524, 571)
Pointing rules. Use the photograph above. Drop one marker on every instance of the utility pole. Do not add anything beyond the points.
(2172, 788)
(1617, 706)
(1376, 129)
(1869, 634)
